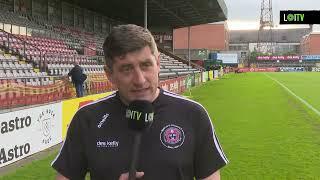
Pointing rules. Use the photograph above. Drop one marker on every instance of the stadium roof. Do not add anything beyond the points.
(163, 13)
(279, 35)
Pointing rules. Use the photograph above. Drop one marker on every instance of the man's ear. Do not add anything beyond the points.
(108, 72)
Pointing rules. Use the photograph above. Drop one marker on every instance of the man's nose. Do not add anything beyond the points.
(138, 77)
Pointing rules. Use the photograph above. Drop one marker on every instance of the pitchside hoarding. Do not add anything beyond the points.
(258, 69)
(29, 131)
(32, 130)
(291, 69)
(197, 79)
(280, 58)
(316, 69)
(176, 85)
(310, 57)
(215, 74)
(289, 58)
(182, 83)
(211, 74)
(205, 75)
(71, 106)
(188, 81)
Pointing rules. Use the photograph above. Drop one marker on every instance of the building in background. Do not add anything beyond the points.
(286, 41)
(216, 37)
(204, 39)
(310, 44)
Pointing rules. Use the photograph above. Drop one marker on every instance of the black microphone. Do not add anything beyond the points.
(140, 117)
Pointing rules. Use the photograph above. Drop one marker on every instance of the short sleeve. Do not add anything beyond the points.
(209, 156)
(71, 161)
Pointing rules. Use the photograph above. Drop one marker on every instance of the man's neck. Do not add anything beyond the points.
(153, 99)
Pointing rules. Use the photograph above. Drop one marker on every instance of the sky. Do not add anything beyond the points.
(245, 14)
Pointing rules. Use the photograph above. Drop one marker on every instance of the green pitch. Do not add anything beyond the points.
(39, 169)
(265, 131)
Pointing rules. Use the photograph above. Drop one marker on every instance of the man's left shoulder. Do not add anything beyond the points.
(183, 101)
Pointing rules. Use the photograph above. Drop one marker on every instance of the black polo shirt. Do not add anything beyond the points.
(181, 143)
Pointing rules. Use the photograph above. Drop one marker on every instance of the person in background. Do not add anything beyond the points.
(76, 74)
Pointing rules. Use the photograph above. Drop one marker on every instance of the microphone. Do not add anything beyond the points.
(140, 115)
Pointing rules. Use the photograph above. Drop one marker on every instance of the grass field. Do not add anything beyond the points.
(265, 132)
(40, 169)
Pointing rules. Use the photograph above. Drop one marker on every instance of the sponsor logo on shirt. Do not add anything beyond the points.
(104, 118)
(107, 144)
(172, 136)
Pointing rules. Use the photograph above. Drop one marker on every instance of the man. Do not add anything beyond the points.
(76, 74)
(100, 142)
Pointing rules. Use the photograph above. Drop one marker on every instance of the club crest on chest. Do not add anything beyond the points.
(172, 136)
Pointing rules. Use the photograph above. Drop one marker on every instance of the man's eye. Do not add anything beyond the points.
(126, 68)
(147, 64)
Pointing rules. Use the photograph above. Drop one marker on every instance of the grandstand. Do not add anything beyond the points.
(41, 40)
(37, 51)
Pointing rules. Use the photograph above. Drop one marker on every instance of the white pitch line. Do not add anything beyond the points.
(296, 96)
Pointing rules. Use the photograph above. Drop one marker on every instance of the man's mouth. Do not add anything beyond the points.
(140, 90)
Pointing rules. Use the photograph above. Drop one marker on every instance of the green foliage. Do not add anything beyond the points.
(289, 53)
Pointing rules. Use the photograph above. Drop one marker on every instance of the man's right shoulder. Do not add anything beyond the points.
(106, 101)
(92, 111)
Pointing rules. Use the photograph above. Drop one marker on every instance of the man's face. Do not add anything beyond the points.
(136, 75)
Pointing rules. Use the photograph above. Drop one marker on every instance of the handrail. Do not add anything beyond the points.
(30, 77)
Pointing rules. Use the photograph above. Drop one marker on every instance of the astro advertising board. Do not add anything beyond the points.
(26, 132)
